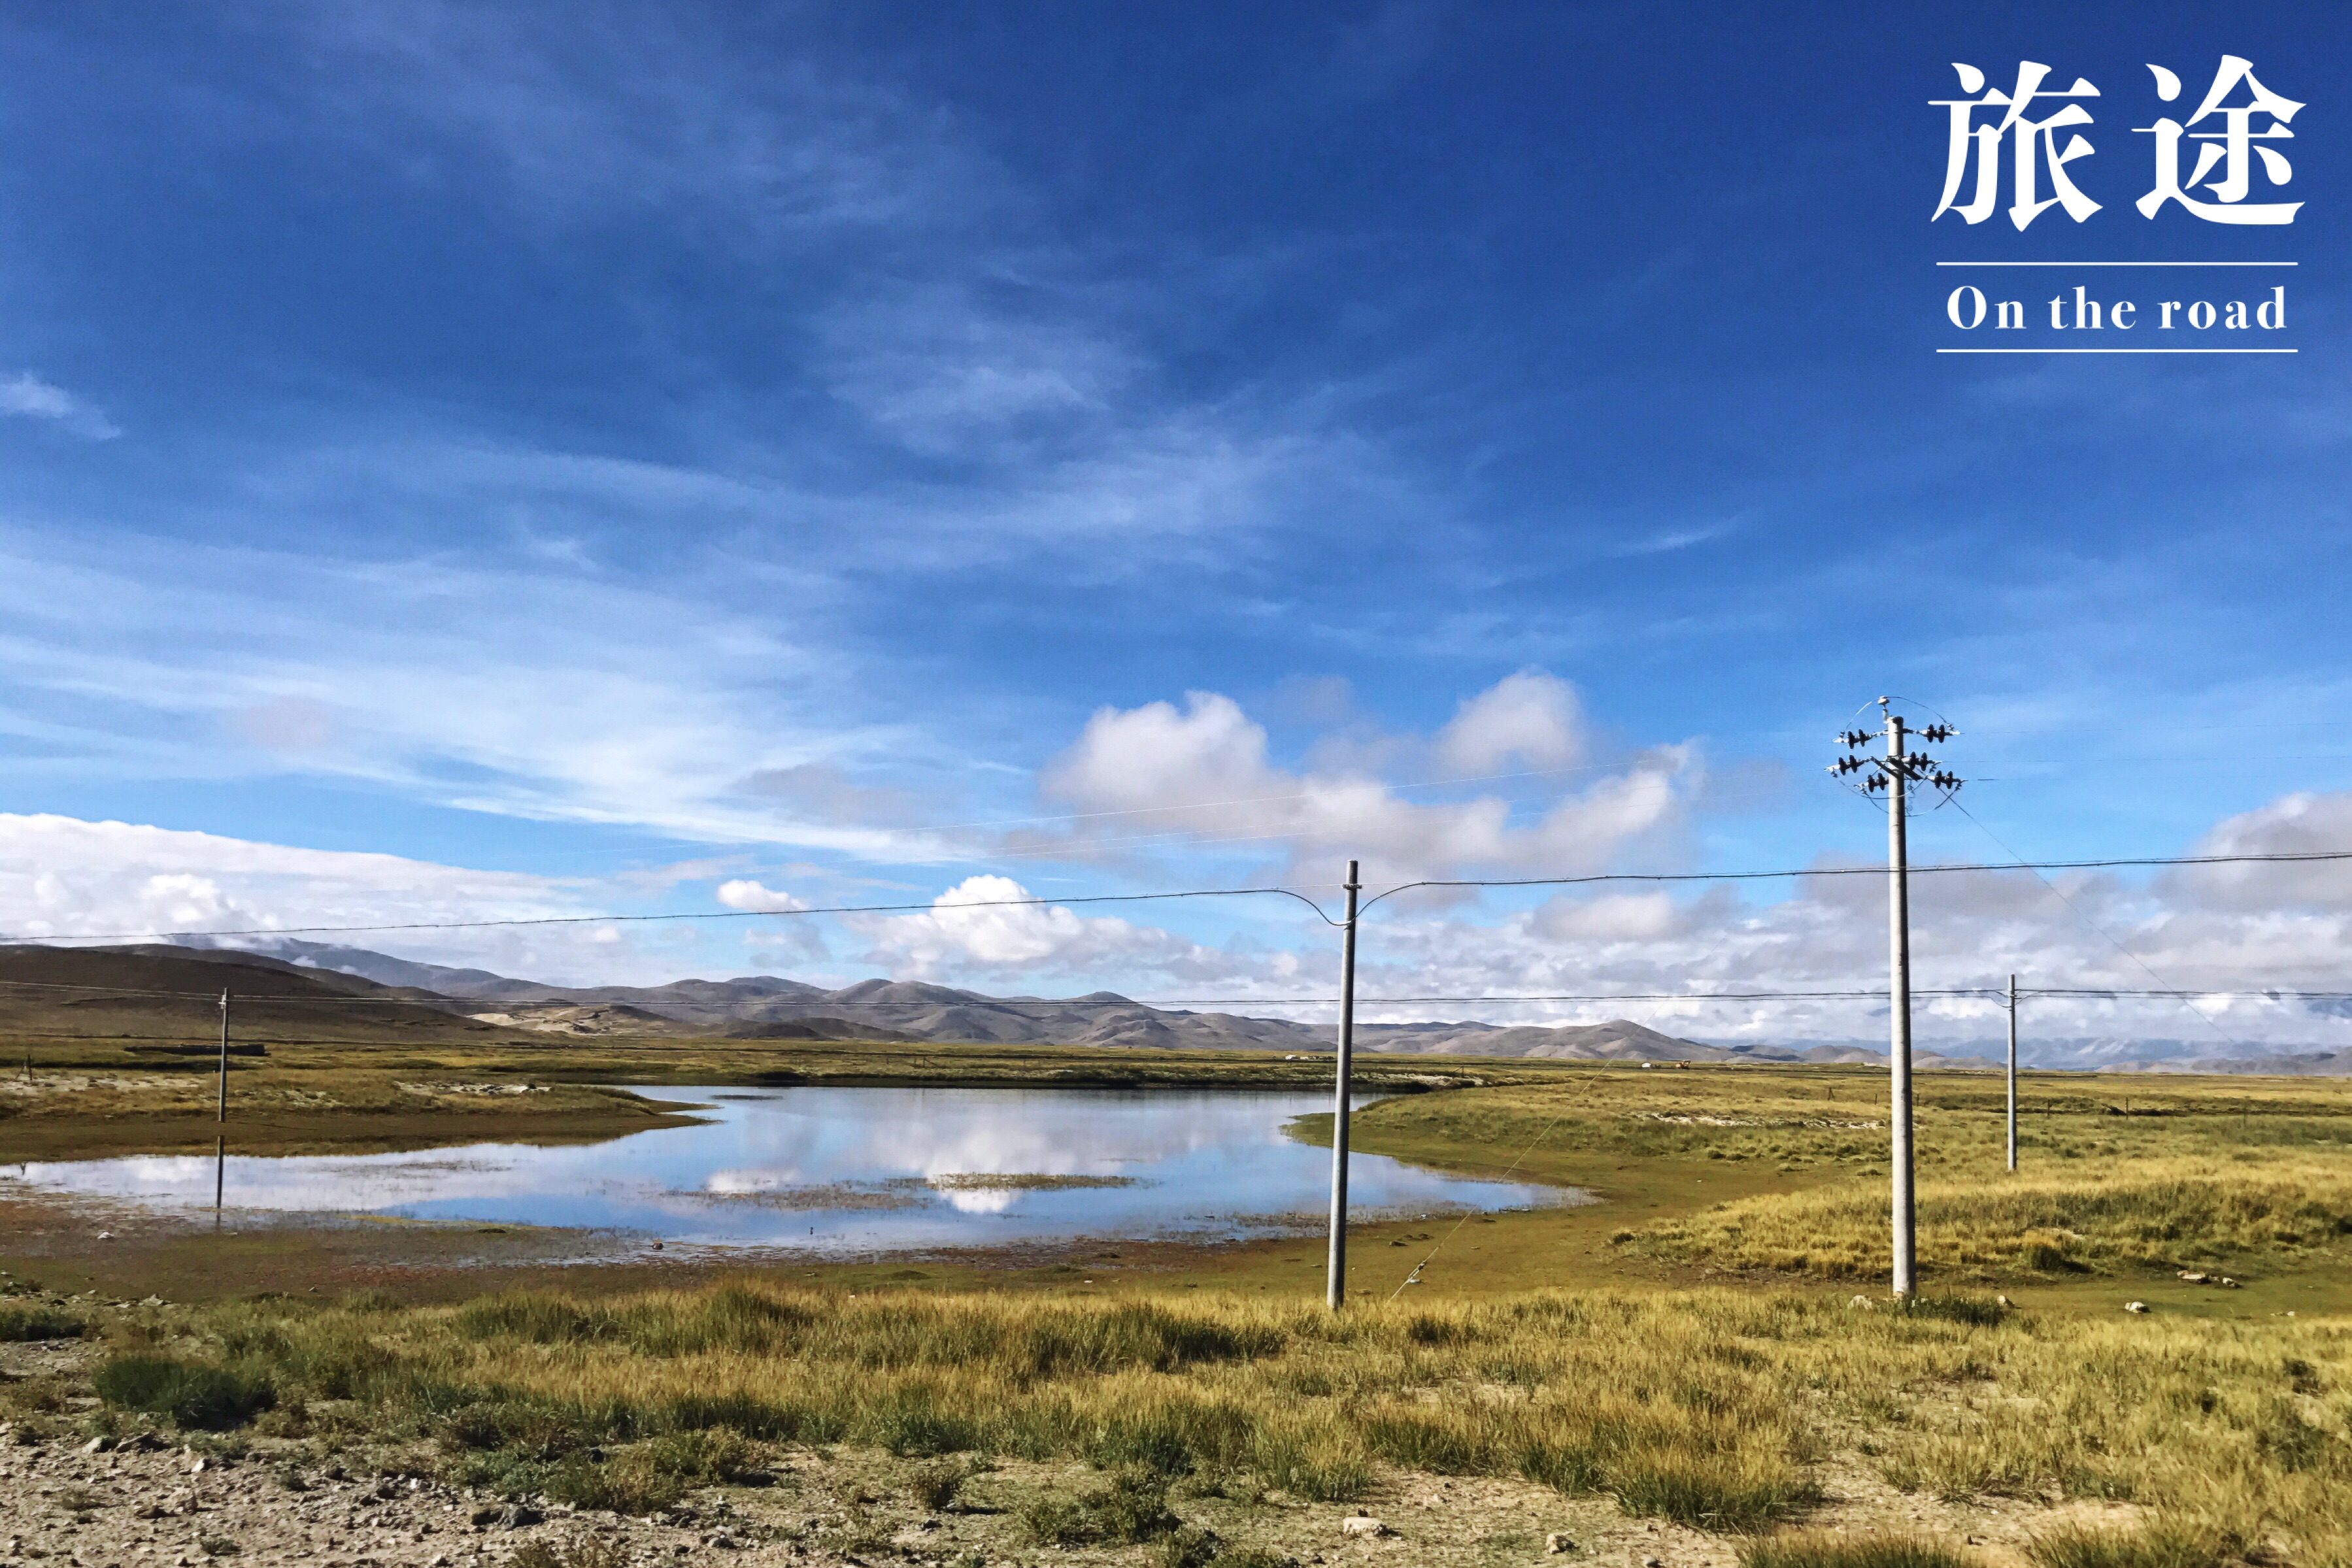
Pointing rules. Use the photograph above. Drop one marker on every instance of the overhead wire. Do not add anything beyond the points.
(933, 907)
(1001, 1003)
(1930, 870)
(444, 998)
(1517, 1160)
(2203, 1016)
(939, 907)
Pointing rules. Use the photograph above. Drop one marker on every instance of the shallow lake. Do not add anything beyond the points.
(855, 1171)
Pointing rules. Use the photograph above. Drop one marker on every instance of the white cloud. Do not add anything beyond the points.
(1202, 772)
(32, 397)
(961, 931)
(1611, 917)
(1527, 720)
(942, 372)
(558, 699)
(1970, 932)
(744, 894)
(610, 111)
(2293, 824)
(63, 877)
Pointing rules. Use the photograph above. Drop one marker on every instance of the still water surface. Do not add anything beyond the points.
(856, 1170)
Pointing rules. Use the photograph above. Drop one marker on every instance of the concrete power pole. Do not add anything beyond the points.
(1335, 1287)
(1899, 981)
(220, 1143)
(1897, 772)
(2012, 1072)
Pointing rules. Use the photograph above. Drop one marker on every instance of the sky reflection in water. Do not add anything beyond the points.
(853, 1170)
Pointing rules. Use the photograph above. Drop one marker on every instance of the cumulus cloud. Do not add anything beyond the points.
(787, 941)
(63, 878)
(30, 397)
(744, 894)
(2091, 932)
(1611, 917)
(2299, 823)
(1527, 720)
(1202, 773)
(976, 926)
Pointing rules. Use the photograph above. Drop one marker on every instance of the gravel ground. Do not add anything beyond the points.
(144, 1502)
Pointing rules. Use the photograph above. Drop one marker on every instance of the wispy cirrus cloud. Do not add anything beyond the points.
(518, 693)
(27, 396)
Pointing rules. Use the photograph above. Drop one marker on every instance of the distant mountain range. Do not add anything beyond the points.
(377, 992)
(765, 1007)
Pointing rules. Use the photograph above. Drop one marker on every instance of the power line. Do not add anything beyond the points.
(2110, 938)
(2133, 861)
(1014, 1003)
(936, 907)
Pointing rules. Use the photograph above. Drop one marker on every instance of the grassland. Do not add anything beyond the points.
(1729, 1412)
(1687, 1350)
(2120, 1178)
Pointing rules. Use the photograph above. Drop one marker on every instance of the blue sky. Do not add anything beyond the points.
(597, 455)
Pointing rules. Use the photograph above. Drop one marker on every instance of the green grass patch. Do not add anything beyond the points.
(19, 1324)
(1131, 1506)
(205, 1398)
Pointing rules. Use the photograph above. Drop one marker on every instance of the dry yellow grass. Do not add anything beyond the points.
(2119, 1175)
(2186, 1212)
(1717, 1408)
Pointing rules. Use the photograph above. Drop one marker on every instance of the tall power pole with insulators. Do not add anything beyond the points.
(1897, 772)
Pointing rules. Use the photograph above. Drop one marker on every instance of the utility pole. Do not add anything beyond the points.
(2012, 1072)
(1896, 772)
(1335, 1287)
(220, 1141)
(1898, 1010)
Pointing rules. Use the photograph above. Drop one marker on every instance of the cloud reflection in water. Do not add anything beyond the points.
(853, 1170)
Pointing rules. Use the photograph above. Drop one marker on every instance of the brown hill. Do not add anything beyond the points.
(165, 993)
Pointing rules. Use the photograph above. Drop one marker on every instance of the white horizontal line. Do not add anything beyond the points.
(2118, 351)
(2120, 263)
